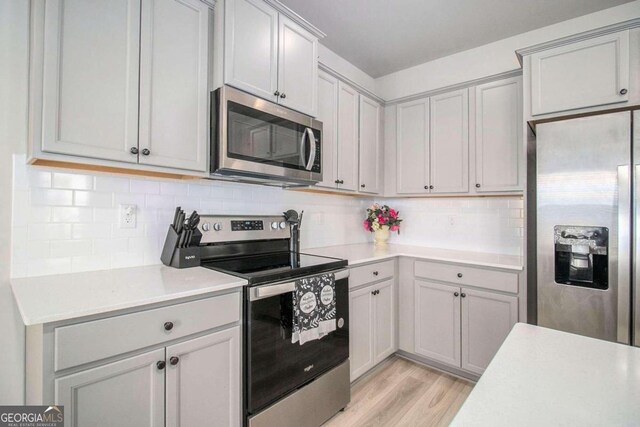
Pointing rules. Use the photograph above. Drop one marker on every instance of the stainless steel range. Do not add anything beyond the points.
(285, 383)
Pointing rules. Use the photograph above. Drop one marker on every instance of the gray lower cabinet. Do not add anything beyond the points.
(371, 326)
(126, 393)
(173, 365)
(461, 327)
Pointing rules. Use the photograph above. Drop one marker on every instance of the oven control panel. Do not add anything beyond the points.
(220, 228)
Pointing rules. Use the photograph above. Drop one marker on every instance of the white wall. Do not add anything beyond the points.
(493, 58)
(13, 125)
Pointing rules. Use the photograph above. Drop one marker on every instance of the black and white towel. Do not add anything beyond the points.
(314, 308)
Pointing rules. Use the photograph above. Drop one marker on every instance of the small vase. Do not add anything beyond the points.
(382, 235)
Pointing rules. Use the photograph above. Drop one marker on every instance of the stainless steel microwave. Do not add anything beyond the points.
(257, 140)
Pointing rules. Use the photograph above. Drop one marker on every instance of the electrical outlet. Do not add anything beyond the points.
(452, 220)
(127, 216)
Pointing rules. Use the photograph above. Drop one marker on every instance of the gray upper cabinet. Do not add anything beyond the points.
(90, 63)
(348, 104)
(498, 136)
(143, 99)
(412, 147)
(251, 47)
(133, 386)
(174, 84)
(328, 115)
(297, 67)
(578, 75)
(370, 159)
(203, 378)
(269, 55)
(449, 142)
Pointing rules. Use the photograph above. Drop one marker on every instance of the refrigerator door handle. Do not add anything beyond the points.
(624, 252)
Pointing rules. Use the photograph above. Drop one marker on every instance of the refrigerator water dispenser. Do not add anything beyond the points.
(581, 256)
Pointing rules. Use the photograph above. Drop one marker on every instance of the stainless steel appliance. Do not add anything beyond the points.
(588, 225)
(257, 140)
(285, 384)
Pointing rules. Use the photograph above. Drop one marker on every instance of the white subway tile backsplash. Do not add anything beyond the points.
(93, 199)
(40, 196)
(58, 230)
(72, 181)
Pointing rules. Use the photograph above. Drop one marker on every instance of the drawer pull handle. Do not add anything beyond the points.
(376, 292)
(161, 364)
(455, 294)
(375, 273)
(168, 326)
(460, 275)
(463, 295)
(174, 360)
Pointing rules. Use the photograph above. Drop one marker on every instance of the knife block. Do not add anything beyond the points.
(174, 256)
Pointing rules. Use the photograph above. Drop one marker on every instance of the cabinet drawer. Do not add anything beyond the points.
(370, 273)
(99, 339)
(489, 279)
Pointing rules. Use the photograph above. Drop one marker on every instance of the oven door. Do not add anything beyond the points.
(255, 137)
(275, 367)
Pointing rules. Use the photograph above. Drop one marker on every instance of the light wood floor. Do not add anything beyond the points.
(402, 393)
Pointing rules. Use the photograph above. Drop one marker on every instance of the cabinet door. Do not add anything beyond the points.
(487, 319)
(297, 67)
(437, 322)
(361, 324)
(203, 383)
(579, 75)
(449, 142)
(129, 392)
(370, 146)
(251, 47)
(498, 139)
(90, 80)
(412, 147)
(173, 84)
(384, 314)
(328, 115)
(347, 137)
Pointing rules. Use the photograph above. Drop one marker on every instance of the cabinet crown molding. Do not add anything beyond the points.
(601, 31)
(296, 18)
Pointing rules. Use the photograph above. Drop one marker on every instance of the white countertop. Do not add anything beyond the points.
(367, 252)
(543, 377)
(68, 296)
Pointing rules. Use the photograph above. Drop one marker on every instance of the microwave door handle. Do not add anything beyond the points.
(312, 150)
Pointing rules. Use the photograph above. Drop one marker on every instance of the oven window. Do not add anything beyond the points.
(277, 367)
(264, 138)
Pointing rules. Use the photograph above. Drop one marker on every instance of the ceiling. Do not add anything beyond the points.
(383, 36)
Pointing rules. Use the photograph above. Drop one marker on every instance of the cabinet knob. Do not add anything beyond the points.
(168, 326)
(145, 151)
(455, 294)
(460, 275)
(161, 364)
(623, 91)
(362, 185)
(373, 292)
(283, 95)
(337, 181)
(431, 187)
(426, 187)
(463, 295)
(133, 150)
(477, 185)
(340, 181)
(375, 273)
(174, 360)
(276, 93)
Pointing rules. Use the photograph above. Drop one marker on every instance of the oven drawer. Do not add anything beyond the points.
(371, 273)
(488, 279)
(99, 339)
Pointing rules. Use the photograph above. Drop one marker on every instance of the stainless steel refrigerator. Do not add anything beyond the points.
(587, 225)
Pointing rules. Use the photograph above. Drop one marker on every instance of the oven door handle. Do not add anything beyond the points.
(267, 291)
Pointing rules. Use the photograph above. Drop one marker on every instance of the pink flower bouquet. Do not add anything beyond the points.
(378, 216)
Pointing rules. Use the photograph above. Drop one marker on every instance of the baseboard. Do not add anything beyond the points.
(467, 376)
